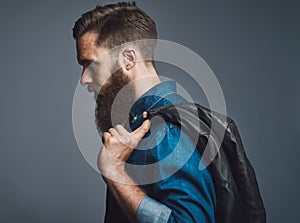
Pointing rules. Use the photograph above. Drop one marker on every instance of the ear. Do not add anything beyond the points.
(127, 58)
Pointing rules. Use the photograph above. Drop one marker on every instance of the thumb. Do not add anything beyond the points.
(143, 129)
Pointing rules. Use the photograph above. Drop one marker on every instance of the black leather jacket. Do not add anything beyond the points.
(238, 196)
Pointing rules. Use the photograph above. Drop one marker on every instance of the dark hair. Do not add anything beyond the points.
(116, 24)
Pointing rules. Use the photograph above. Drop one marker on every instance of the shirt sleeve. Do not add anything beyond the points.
(151, 211)
(188, 194)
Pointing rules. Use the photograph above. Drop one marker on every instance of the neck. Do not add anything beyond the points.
(145, 80)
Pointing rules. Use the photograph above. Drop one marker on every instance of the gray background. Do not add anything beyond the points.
(252, 47)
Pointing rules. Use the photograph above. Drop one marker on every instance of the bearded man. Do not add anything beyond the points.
(128, 74)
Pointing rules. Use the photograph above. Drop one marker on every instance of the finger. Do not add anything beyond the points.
(145, 114)
(105, 136)
(142, 130)
(113, 131)
(125, 137)
(121, 130)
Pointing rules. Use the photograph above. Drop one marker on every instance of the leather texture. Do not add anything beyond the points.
(237, 192)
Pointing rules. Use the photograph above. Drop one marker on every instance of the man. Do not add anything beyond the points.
(138, 194)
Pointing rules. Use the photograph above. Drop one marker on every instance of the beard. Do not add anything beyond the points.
(107, 108)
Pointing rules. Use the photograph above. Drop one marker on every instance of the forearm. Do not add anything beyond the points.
(128, 196)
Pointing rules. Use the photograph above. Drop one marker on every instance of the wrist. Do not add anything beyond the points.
(114, 172)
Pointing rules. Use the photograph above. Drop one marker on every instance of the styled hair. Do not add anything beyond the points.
(117, 24)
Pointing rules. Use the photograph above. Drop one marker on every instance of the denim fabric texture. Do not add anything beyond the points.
(166, 168)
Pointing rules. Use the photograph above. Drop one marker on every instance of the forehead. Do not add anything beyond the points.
(87, 48)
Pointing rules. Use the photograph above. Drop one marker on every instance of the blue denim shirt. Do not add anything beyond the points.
(166, 166)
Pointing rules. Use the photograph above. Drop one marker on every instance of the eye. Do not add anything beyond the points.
(86, 64)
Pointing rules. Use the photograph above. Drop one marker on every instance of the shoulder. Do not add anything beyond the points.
(169, 143)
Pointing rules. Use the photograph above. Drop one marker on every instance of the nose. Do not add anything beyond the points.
(86, 77)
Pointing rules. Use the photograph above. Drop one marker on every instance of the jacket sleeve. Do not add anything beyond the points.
(253, 208)
(184, 193)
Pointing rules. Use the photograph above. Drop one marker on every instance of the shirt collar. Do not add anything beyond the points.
(151, 97)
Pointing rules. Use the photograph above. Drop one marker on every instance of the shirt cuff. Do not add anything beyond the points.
(151, 211)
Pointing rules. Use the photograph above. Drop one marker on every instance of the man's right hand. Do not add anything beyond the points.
(118, 145)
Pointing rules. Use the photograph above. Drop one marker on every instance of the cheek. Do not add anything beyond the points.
(100, 76)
